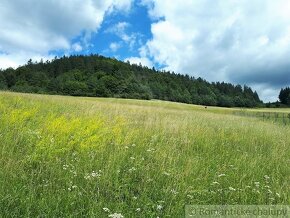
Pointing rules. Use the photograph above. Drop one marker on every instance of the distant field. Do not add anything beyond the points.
(93, 157)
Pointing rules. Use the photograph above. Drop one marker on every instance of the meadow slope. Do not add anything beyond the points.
(73, 157)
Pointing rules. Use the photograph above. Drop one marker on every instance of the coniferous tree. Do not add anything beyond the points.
(96, 75)
(284, 96)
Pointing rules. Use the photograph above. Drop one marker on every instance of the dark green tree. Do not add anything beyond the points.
(3, 84)
(284, 96)
(96, 75)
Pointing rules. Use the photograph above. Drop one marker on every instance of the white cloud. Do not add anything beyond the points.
(236, 41)
(36, 27)
(7, 61)
(268, 93)
(121, 30)
(140, 60)
(114, 46)
(15, 60)
(77, 47)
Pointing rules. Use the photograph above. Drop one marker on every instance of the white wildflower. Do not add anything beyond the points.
(232, 189)
(150, 149)
(73, 172)
(106, 209)
(132, 169)
(133, 145)
(138, 209)
(159, 207)
(93, 175)
(173, 191)
(132, 158)
(116, 215)
(87, 177)
(257, 184)
(222, 175)
(166, 173)
(266, 177)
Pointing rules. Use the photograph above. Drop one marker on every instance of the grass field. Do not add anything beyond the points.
(90, 157)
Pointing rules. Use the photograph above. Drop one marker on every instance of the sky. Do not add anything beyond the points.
(237, 41)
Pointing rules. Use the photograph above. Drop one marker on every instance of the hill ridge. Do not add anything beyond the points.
(99, 76)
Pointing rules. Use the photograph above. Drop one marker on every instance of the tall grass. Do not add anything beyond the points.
(81, 157)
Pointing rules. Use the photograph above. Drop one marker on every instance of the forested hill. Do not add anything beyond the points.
(99, 76)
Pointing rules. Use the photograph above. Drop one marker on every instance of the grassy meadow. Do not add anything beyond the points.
(94, 157)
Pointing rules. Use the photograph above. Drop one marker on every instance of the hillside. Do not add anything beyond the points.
(98, 76)
(94, 157)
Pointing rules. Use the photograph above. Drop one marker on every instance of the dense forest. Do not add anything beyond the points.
(99, 76)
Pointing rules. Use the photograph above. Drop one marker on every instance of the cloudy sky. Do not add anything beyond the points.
(238, 41)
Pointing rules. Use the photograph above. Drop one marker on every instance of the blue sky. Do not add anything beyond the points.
(109, 40)
(242, 42)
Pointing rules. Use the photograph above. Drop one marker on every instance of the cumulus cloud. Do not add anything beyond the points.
(114, 46)
(14, 60)
(236, 41)
(77, 47)
(140, 60)
(37, 27)
(121, 30)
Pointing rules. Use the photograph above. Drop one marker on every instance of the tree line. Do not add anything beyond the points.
(284, 96)
(99, 76)
(284, 99)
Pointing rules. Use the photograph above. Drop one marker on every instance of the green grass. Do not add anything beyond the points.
(72, 157)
